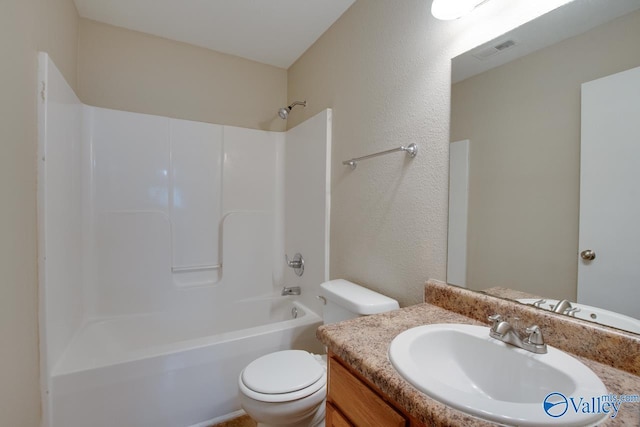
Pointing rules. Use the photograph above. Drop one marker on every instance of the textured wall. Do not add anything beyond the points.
(384, 68)
(25, 27)
(525, 158)
(131, 71)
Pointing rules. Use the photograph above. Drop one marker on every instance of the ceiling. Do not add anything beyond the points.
(274, 32)
(569, 20)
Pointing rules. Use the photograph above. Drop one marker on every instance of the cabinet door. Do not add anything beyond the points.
(335, 418)
(358, 402)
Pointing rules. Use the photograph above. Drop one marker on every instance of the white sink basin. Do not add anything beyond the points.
(463, 367)
(594, 314)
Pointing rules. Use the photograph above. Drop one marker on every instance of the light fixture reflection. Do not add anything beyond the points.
(453, 9)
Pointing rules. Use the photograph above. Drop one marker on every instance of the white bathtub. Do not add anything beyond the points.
(165, 370)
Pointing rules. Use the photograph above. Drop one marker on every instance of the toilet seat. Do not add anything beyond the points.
(283, 376)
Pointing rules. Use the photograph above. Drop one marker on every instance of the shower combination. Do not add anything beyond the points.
(284, 111)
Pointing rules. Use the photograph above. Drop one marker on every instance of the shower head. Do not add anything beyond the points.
(284, 111)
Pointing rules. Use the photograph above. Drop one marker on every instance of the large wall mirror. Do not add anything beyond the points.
(523, 109)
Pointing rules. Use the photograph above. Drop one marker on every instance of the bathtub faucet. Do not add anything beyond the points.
(291, 290)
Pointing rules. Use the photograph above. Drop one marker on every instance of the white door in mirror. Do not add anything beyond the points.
(610, 194)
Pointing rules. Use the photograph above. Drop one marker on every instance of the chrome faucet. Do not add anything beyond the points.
(503, 331)
(291, 290)
(562, 306)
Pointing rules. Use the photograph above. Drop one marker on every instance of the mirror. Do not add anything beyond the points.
(516, 134)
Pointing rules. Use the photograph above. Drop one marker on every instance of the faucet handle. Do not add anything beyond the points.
(495, 319)
(535, 335)
(297, 263)
(572, 311)
(539, 303)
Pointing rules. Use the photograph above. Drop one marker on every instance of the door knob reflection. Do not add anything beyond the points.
(588, 255)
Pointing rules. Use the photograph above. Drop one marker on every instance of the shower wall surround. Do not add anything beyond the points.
(61, 190)
(143, 214)
(159, 187)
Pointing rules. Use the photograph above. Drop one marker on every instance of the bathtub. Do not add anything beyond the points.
(165, 370)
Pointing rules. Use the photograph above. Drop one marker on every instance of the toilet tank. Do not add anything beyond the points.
(346, 300)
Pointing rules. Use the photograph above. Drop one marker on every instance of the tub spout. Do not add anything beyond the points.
(291, 290)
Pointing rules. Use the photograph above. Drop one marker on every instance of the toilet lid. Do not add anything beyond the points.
(282, 372)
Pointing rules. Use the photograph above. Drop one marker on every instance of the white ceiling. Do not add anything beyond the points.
(569, 20)
(274, 32)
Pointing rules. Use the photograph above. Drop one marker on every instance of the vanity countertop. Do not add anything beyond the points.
(363, 343)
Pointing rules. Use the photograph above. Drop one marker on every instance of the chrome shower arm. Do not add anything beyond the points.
(294, 103)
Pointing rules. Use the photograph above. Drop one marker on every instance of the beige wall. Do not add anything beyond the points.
(384, 68)
(25, 27)
(131, 71)
(58, 36)
(523, 121)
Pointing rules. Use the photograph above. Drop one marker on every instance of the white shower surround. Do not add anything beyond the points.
(112, 191)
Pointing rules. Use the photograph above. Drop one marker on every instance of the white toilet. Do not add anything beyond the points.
(288, 388)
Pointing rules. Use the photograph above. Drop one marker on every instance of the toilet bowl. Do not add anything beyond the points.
(289, 388)
(285, 388)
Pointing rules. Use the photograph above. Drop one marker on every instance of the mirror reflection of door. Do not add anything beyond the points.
(610, 193)
(520, 110)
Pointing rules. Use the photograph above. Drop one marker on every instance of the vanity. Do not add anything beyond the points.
(351, 397)
(523, 122)
(365, 389)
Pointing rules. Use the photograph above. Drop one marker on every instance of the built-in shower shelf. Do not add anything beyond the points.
(190, 268)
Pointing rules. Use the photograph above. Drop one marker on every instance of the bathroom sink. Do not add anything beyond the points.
(463, 367)
(593, 314)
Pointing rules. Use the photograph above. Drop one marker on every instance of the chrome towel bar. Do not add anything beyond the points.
(411, 150)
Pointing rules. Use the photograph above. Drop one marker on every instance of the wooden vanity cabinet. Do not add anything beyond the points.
(353, 401)
(334, 418)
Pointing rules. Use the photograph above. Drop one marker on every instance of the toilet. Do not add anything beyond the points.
(288, 388)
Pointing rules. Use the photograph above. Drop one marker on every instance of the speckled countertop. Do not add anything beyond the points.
(363, 344)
